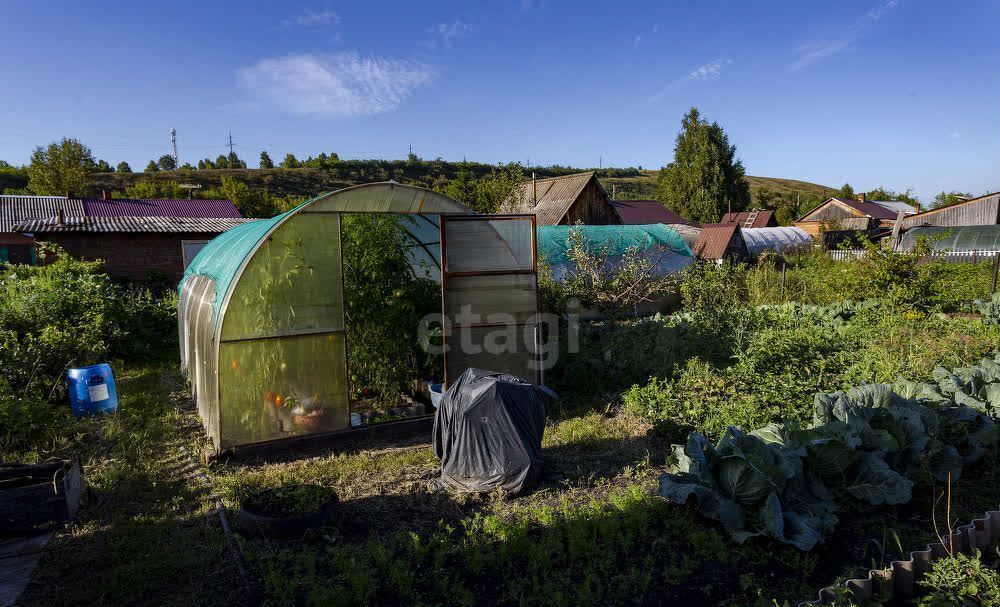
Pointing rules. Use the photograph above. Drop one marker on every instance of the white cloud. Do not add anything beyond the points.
(811, 53)
(334, 85)
(807, 54)
(712, 69)
(445, 34)
(311, 18)
(955, 135)
(637, 41)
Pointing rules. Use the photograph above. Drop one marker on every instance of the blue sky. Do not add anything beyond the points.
(900, 93)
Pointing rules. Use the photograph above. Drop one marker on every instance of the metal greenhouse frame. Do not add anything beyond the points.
(261, 309)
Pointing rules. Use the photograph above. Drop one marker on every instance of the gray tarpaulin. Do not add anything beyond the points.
(488, 432)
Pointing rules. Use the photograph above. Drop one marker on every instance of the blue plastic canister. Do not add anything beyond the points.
(92, 390)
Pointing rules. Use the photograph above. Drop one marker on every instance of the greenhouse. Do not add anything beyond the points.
(660, 244)
(296, 325)
(775, 240)
(959, 238)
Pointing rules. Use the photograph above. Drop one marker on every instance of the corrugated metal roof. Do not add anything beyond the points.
(15, 209)
(159, 207)
(984, 210)
(135, 225)
(765, 218)
(896, 206)
(714, 240)
(555, 195)
(644, 212)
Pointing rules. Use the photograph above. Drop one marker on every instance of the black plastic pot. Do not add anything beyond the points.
(288, 527)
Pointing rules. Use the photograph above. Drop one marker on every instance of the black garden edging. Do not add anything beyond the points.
(899, 580)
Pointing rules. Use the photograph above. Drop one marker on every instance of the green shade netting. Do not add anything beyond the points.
(960, 238)
(553, 241)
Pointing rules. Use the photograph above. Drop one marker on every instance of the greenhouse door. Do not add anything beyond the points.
(489, 289)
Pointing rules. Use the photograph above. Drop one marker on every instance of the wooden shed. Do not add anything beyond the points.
(982, 211)
(564, 200)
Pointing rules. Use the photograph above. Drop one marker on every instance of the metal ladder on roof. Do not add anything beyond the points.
(752, 217)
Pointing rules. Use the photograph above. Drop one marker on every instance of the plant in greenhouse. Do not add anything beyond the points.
(385, 299)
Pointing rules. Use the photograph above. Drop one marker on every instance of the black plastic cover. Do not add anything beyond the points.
(488, 432)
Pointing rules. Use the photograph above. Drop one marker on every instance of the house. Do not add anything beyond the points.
(852, 214)
(719, 241)
(132, 248)
(754, 218)
(981, 211)
(137, 239)
(646, 212)
(18, 248)
(563, 200)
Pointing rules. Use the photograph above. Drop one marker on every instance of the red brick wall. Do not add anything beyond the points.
(130, 256)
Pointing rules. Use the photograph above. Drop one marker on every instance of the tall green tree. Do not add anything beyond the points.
(946, 199)
(166, 163)
(706, 179)
(123, 167)
(151, 167)
(103, 166)
(265, 161)
(60, 167)
(290, 162)
(846, 191)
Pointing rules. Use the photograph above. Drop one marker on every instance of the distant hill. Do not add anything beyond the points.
(306, 182)
(643, 186)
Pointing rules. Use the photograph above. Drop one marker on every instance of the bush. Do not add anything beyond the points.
(961, 581)
(68, 314)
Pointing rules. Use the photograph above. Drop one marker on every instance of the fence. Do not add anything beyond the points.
(948, 256)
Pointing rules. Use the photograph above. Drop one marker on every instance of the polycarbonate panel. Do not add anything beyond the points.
(385, 198)
(503, 298)
(507, 349)
(485, 245)
(291, 284)
(281, 387)
(200, 344)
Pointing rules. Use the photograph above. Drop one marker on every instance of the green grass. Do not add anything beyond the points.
(146, 534)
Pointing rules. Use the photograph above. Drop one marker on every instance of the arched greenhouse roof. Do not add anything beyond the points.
(760, 240)
(224, 256)
(959, 238)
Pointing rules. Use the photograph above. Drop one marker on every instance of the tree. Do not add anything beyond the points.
(265, 161)
(186, 167)
(290, 162)
(490, 192)
(251, 203)
(62, 166)
(705, 179)
(222, 162)
(461, 188)
(846, 191)
(151, 167)
(234, 162)
(155, 189)
(166, 163)
(948, 199)
(123, 167)
(881, 193)
(104, 167)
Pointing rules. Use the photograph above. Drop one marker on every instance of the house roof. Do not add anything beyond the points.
(159, 207)
(714, 240)
(878, 209)
(15, 209)
(764, 218)
(645, 212)
(132, 225)
(688, 232)
(555, 195)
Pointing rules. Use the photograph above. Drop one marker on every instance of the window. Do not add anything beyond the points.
(190, 249)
